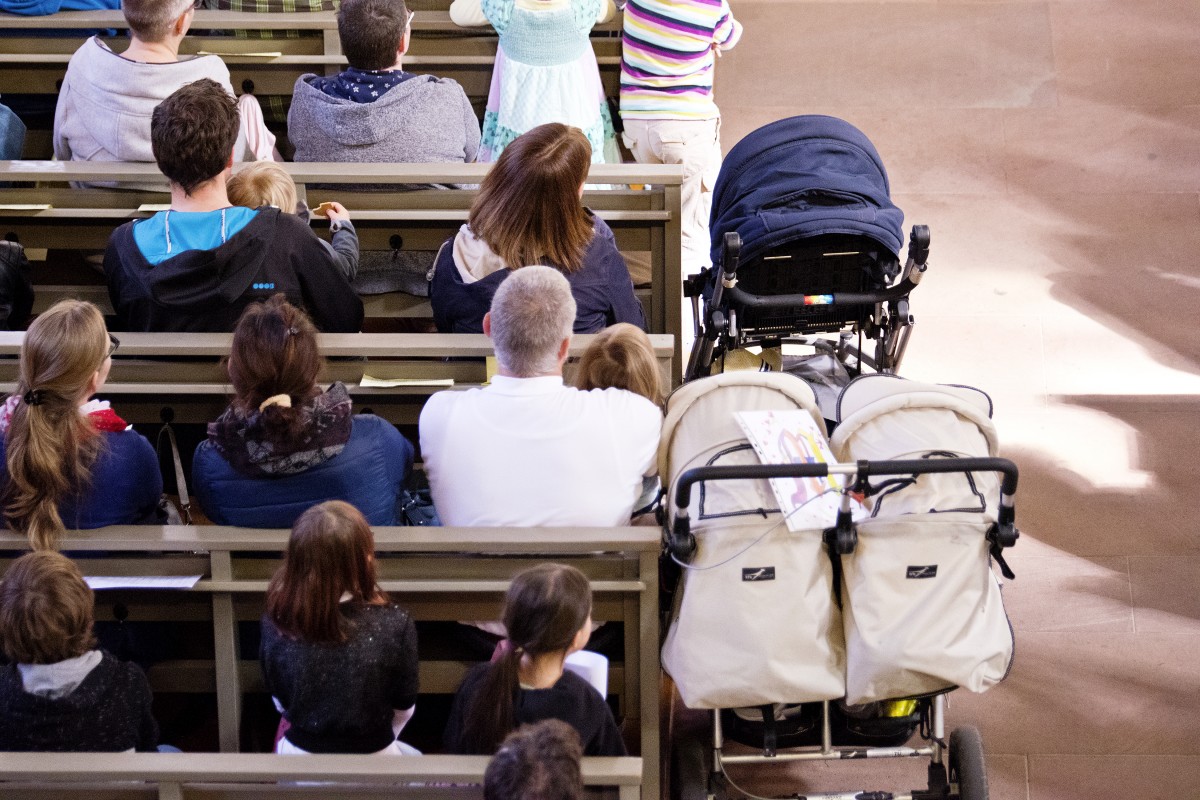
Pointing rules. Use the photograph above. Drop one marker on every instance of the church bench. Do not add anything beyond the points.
(182, 371)
(184, 776)
(50, 216)
(438, 574)
(33, 62)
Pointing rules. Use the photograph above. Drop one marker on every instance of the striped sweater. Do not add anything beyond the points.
(667, 58)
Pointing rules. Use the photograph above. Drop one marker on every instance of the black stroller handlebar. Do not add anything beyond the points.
(747, 300)
(682, 542)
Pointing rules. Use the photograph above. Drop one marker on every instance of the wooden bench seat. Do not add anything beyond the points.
(182, 371)
(33, 63)
(438, 574)
(644, 221)
(182, 776)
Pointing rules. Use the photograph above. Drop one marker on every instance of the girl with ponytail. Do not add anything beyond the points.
(548, 614)
(70, 462)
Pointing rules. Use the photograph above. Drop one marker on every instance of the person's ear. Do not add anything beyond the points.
(93, 384)
(404, 42)
(487, 324)
(184, 22)
(564, 348)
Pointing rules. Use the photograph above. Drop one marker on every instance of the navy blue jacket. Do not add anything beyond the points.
(369, 474)
(124, 490)
(602, 288)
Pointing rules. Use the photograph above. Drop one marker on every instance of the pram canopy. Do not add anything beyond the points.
(800, 177)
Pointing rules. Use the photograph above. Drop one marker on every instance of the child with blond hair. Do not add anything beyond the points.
(267, 183)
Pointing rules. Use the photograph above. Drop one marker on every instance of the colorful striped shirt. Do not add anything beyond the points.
(667, 57)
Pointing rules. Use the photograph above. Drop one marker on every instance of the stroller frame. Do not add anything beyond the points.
(881, 314)
(956, 767)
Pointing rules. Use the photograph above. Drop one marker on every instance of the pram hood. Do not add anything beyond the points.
(882, 417)
(800, 177)
(700, 413)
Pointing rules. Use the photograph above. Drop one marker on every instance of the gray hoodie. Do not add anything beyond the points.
(421, 120)
(105, 103)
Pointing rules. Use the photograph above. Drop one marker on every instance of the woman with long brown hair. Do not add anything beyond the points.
(529, 211)
(337, 655)
(284, 445)
(548, 615)
(69, 461)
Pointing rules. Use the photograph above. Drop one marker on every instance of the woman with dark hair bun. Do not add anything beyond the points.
(339, 658)
(529, 211)
(283, 445)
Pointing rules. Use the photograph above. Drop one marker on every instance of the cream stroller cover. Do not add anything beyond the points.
(922, 610)
(754, 620)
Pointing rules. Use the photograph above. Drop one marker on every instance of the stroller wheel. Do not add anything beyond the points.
(966, 764)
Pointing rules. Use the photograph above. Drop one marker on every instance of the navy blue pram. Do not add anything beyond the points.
(806, 240)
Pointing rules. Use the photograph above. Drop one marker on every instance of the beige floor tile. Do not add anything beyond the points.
(1102, 148)
(1007, 779)
(1130, 54)
(1094, 777)
(921, 56)
(1164, 593)
(961, 154)
(1067, 593)
(1090, 694)
(947, 349)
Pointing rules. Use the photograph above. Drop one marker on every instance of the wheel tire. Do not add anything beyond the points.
(691, 765)
(967, 770)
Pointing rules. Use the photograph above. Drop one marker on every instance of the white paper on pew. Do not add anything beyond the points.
(142, 581)
(390, 383)
(592, 667)
(25, 206)
(154, 208)
(263, 54)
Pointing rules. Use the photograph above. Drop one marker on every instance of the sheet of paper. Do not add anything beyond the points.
(142, 581)
(261, 54)
(791, 436)
(25, 206)
(390, 383)
(154, 208)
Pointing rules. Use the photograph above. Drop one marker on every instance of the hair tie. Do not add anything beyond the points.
(293, 331)
(281, 400)
(34, 397)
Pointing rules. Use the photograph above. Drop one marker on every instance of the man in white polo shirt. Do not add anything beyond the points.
(527, 450)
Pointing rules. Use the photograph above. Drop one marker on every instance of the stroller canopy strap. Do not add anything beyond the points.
(799, 177)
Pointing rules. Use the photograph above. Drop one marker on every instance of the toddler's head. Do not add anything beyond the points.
(46, 610)
(263, 183)
(621, 357)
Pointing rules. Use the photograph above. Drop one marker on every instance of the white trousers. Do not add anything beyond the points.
(696, 145)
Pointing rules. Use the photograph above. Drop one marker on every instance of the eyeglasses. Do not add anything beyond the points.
(408, 25)
(113, 344)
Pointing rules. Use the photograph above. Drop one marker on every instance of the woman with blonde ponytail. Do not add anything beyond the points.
(69, 461)
(283, 445)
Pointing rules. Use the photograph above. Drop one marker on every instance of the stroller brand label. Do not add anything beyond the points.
(916, 573)
(758, 573)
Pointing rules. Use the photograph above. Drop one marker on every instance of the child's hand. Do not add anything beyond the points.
(332, 210)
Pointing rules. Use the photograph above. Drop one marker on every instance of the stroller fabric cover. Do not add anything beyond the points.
(922, 610)
(800, 177)
(738, 637)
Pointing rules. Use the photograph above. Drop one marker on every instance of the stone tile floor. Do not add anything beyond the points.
(1054, 150)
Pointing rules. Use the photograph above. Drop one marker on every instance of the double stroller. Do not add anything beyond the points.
(833, 589)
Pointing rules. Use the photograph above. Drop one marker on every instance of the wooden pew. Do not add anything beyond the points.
(182, 776)
(182, 371)
(642, 220)
(35, 63)
(439, 574)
